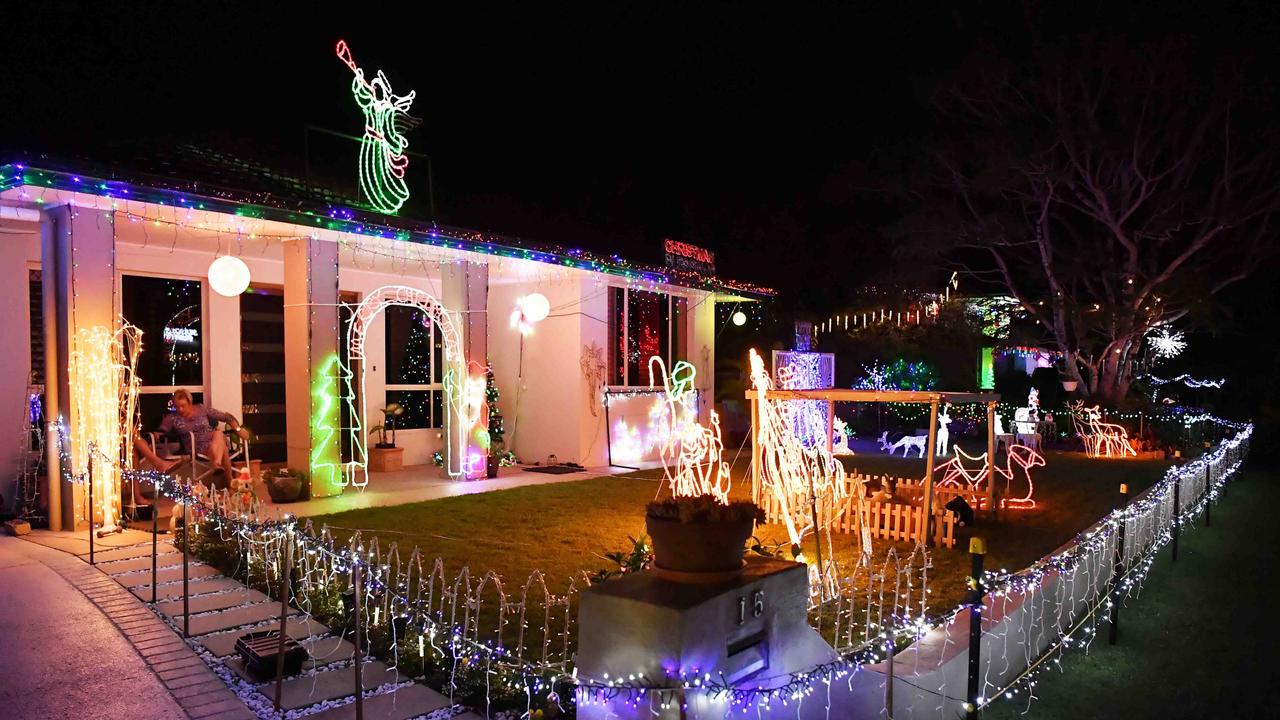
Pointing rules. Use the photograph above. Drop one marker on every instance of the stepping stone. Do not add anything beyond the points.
(118, 567)
(301, 692)
(170, 592)
(205, 603)
(235, 617)
(298, 628)
(328, 649)
(173, 574)
(133, 551)
(407, 702)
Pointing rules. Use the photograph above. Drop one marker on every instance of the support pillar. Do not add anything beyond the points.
(465, 295)
(991, 459)
(928, 471)
(79, 285)
(314, 385)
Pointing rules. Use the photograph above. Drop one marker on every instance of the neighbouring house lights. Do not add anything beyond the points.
(228, 275)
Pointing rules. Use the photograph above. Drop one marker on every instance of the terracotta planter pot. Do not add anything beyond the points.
(386, 459)
(705, 552)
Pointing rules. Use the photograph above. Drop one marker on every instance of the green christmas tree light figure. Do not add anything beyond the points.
(382, 158)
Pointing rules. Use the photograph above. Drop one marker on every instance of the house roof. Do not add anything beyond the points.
(233, 185)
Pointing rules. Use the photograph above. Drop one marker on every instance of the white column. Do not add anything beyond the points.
(312, 384)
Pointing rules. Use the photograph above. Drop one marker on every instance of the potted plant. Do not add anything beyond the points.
(284, 485)
(385, 456)
(698, 539)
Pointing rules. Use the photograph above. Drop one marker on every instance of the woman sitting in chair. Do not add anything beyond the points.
(198, 421)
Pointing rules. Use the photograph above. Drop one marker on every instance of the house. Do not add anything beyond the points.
(345, 311)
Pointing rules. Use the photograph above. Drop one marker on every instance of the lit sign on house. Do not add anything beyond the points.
(683, 256)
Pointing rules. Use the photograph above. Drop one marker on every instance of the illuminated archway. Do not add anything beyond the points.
(455, 366)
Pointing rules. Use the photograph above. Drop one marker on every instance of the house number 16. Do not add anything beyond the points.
(757, 606)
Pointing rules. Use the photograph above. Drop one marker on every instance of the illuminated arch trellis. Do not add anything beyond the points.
(455, 432)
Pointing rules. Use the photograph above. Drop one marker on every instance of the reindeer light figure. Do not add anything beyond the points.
(910, 442)
(1101, 439)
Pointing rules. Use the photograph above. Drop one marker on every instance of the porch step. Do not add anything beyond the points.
(205, 603)
(169, 592)
(235, 617)
(406, 702)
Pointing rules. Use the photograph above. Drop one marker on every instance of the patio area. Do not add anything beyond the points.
(420, 483)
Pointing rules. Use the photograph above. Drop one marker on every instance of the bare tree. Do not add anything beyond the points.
(1109, 188)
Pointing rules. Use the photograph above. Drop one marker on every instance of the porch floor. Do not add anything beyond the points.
(417, 483)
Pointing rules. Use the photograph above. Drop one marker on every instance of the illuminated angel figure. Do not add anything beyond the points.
(382, 159)
(694, 451)
(1100, 439)
(801, 481)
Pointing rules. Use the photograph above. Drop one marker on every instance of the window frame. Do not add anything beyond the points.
(674, 353)
(201, 390)
(434, 371)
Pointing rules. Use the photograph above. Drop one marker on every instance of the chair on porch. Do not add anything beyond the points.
(176, 447)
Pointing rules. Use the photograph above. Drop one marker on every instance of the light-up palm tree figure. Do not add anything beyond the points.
(382, 158)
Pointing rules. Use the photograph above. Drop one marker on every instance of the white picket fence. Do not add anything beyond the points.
(886, 520)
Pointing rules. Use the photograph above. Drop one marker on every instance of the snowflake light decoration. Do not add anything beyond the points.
(1167, 344)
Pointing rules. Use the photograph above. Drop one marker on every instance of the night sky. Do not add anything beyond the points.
(743, 128)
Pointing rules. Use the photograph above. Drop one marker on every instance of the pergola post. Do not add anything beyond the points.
(755, 450)
(831, 425)
(928, 469)
(991, 459)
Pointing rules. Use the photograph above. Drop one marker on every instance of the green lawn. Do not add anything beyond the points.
(565, 527)
(1197, 642)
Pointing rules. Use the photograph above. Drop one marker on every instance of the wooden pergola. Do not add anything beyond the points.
(934, 399)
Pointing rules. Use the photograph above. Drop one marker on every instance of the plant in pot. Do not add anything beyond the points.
(284, 485)
(385, 456)
(698, 539)
(388, 425)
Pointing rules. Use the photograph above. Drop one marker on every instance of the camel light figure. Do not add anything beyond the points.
(691, 454)
(800, 479)
(1019, 455)
(1101, 439)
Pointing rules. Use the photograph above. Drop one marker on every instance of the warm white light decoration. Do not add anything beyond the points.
(593, 369)
(228, 275)
(691, 454)
(1020, 455)
(1167, 344)
(798, 479)
(530, 310)
(1100, 439)
(840, 439)
(104, 393)
(739, 318)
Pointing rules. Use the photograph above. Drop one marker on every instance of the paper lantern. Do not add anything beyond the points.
(228, 275)
(739, 318)
(534, 307)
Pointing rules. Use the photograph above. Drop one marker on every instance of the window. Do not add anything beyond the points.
(643, 324)
(169, 313)
(414, 368)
